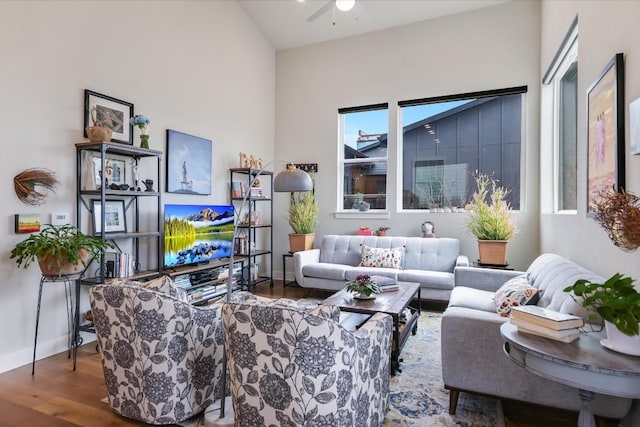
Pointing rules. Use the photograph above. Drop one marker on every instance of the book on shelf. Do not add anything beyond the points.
(564, 335)
(545, 317)
(118, 264)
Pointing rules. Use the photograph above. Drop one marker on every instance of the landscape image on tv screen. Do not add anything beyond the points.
(197, 233)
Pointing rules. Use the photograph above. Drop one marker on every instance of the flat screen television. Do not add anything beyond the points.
(196, 234)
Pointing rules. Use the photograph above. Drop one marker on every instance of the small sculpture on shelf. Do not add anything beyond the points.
(250, 161)
(148, 183)
(136, 175)
(243, 160)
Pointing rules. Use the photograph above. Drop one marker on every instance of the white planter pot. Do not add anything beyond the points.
(620, 342)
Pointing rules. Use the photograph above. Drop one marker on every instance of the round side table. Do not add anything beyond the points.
(583, 364)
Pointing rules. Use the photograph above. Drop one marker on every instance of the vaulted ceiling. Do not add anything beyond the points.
(285, 22)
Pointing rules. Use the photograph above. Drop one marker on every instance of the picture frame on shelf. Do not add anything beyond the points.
(188, 164)
(110, 112)
(115, 216)
(118, 170)
(605, 132)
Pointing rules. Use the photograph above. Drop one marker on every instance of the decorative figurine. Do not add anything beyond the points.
(89, 179)
(243, 160)
(136, 175)
(148, 183)
(428, 229)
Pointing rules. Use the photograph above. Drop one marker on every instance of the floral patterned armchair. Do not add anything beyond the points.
(293, 366)
(161, 356)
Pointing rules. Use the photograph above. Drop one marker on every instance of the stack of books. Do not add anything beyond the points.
(546, 323)
(386, 284)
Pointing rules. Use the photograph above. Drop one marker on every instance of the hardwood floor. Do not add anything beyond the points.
(56, 397)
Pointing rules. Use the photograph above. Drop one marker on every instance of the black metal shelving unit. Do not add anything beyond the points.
(138, 231)
(259, 236)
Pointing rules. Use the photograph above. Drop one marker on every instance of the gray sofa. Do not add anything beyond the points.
(430, 262)
(472, 347)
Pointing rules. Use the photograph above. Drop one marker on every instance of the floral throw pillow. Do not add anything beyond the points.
(382, 257)
(515, 292)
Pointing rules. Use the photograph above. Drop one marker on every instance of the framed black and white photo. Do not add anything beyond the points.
(188, 164)
(115, 219)
(110, 112)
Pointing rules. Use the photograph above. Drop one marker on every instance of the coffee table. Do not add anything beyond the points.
(392, 303)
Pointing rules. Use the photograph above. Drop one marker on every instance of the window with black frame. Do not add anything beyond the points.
(448, 140)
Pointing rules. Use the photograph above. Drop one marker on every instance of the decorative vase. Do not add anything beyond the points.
(144, 141)
(358, 295)
(363, 207)
(617, 341)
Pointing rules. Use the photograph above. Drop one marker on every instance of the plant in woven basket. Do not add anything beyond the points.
(363, 285)
(618, 213)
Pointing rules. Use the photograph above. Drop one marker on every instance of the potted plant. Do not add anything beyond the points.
(363, 287)
(303, 218)
(59, 250)
(490, 220)
(382, 231)
(617, 303)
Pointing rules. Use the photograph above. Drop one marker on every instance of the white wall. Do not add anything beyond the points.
(197, 67)
(605, 28)
(491, 48)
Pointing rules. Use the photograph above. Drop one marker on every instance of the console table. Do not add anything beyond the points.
(583, 364)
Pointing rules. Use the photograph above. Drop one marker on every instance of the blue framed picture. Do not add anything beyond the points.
(188, 164)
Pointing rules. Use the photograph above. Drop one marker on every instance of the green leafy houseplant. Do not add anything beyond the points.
(303, 212)
(363, 285)
(616, 300)
(56, 247)
(490, 217)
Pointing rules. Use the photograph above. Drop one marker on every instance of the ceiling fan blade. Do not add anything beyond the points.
(321, 11)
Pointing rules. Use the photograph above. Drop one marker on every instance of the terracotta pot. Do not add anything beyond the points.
(99, 133)
(493, 252)
(65, 270)
(301, 242)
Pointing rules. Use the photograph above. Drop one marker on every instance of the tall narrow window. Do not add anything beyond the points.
(562, 77)
(364, 159)
(447, 140)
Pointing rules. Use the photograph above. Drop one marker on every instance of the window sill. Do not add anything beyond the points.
(355, 214)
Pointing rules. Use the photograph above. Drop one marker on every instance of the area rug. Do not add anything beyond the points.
(418, 397)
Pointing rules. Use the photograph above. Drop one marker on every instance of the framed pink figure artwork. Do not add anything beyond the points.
(606, 141)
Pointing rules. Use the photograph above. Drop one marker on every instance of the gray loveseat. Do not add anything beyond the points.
(430, 262)
(472, 354)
